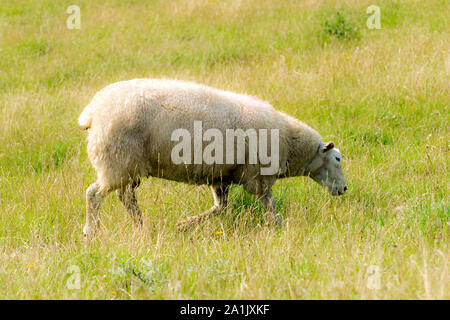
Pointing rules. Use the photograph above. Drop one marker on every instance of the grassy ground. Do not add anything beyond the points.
(381, 95)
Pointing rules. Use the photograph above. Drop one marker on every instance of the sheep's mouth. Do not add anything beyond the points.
(339, 191)
(336, 191)
(331, 189)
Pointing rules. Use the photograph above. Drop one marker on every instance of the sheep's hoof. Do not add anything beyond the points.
(185, 225)
(89, 232)
(274, 220)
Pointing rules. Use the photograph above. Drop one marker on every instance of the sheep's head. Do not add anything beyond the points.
(326, 169)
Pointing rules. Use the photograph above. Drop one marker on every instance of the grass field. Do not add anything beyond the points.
(382, 95)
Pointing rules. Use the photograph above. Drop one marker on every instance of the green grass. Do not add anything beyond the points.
(381, 95)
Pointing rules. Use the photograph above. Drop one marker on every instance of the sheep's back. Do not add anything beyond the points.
(135, 120)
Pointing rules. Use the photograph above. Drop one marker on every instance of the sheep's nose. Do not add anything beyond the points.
(345, 188)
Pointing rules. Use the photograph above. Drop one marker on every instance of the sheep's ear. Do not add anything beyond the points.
(328, 147)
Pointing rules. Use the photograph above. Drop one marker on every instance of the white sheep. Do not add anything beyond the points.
(132, 127)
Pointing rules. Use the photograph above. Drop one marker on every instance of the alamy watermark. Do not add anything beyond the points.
(373, 274)
(73, 282)
(233, 144)
(374, 21)
(74, 20)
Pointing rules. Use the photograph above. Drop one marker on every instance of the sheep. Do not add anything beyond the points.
(135, 128)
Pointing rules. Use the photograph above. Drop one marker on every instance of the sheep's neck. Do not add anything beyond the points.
(302, 148)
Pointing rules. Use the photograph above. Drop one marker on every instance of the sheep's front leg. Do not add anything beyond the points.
(94, 197)
(127, 196)
(269, 204)
(220, 194)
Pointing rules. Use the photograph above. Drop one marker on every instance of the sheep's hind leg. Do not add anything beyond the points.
(94, 197)
(220, 194)
(127, 196)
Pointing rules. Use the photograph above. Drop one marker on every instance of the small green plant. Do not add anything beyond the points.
(340, 27)
(143, 273)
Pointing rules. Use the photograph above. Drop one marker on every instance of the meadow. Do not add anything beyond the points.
(381, 95)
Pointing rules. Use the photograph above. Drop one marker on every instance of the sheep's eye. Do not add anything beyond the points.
(338, 159)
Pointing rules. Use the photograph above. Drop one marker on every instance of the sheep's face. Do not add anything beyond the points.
(326, 169)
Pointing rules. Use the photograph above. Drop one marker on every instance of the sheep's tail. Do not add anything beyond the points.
(85, 119)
